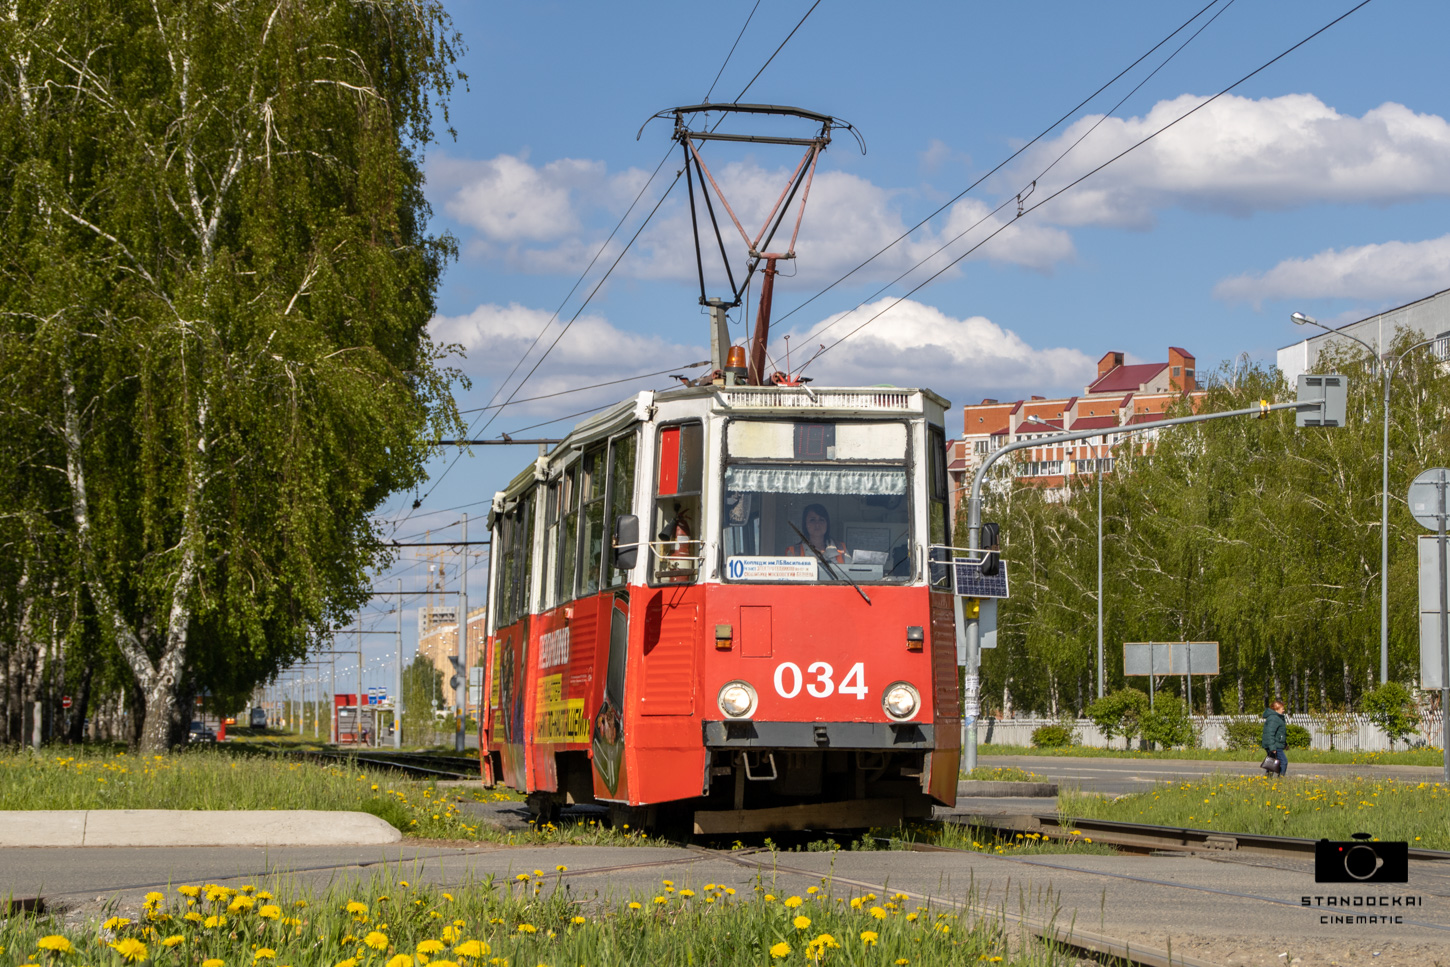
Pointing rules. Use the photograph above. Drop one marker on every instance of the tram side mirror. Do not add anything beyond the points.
(991, 562)
(626, 542)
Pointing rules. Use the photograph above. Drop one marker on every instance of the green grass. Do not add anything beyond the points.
(955, 836)
(223, 779)
(1405, 757)
(523, 921)
(1001, 774)
(1418, 813)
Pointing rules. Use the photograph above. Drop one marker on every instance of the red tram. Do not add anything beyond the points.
(717, 600)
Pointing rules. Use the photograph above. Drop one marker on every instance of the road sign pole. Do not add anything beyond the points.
(1151, 675)
(1444, 639)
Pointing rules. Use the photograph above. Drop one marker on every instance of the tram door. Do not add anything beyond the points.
(606, 744)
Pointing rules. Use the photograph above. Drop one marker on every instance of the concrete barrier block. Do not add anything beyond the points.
(175, 827)
(42, 827)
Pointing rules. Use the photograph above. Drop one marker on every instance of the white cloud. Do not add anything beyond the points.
(1391, 270)
(551, 218)
(494, 338)
(914, 344)
(1239, 155)
(509, 200)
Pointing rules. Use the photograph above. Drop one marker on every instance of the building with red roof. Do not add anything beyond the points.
(1123, 394)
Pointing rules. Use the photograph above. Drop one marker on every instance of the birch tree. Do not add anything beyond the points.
(218, 279)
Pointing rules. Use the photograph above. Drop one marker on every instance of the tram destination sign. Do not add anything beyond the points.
(971, 583)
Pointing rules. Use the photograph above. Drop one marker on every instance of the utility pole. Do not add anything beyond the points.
(460, 696)
(398, 678)
(357, 722)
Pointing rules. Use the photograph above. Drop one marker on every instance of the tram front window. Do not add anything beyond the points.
(816, 524)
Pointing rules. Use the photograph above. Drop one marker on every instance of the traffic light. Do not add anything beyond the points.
(455, 681)
(991, 563)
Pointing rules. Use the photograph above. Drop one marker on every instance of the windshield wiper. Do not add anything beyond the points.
(829, 566)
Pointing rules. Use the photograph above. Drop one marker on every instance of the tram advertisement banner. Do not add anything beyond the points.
(510, 662)
(558, 719)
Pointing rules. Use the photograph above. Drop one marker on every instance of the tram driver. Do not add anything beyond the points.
(816, 526)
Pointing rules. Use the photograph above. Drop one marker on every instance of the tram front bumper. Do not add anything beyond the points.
(746, 734)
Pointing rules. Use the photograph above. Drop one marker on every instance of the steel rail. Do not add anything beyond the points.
(1142, 837)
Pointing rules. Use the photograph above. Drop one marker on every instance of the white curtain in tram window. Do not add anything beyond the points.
(816, 480)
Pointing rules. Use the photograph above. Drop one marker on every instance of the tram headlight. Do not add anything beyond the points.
(901, 700)
(737, 699)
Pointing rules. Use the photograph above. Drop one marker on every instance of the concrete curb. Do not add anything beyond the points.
(193, 827)
(982, 788)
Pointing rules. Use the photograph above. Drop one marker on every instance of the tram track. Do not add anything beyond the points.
(427, 766)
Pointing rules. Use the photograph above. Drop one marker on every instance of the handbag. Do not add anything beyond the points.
(1270, 763)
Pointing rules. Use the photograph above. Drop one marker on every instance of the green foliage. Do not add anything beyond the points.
(1167, 723)
(214, 298)
(422, 686)
(1391, 706)
(1297, 736)
(1119, 713)
(1244, 733)
(1053, 736)
(1250, 532)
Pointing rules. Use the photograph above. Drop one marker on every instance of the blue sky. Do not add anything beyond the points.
(1319, 185)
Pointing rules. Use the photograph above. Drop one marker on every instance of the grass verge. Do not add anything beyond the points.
(1418, 813)
(220, 779)
(390, 923)
(1403, 757)
(1000, 774)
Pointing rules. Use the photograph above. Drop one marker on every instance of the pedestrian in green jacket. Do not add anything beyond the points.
(1275, 739)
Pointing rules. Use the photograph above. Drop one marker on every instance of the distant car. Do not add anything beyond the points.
(200, 732)
(259, 718)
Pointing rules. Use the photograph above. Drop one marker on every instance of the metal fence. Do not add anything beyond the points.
(1360, 735)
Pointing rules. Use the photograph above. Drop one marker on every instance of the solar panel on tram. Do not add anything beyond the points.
(972, 584)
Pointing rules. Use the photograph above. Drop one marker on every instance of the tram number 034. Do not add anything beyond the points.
(821, 684)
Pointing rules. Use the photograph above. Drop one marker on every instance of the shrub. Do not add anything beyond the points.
(1054, 736)
(1119, 713)
(1243, 733)
(1168, 722)
(1392, 708)
(1297, 736)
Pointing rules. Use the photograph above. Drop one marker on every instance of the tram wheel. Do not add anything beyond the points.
(543, 807)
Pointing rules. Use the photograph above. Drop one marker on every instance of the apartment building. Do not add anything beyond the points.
(441, 640)
(1123, 394)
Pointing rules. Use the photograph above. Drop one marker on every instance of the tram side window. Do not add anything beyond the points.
(937, 481)
(592, 475)
(676, 547)
(568, 535)
(523, 541)
(621, 495)
(551, 546)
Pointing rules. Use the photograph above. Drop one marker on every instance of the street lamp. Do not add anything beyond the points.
(1388, 362)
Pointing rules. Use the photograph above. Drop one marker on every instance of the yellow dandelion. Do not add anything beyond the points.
(793, 902)
(212, 962)
(376, 940)
(173, 940)
(130, 949)
(264, 953)
(55, 943)
(214, 921)
(270, 912)
(801, 923)
(686, 894)
(528, 928)
(427, 948)
(578, 920)
(189, 891)
(781, 949)
(868, 937)
(634, 905)
(115, 923)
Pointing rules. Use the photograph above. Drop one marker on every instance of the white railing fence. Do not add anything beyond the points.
(1354, 733)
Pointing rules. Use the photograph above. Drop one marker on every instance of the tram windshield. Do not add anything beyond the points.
(825, 521)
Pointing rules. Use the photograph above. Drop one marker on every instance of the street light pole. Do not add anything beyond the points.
(1388, 362)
